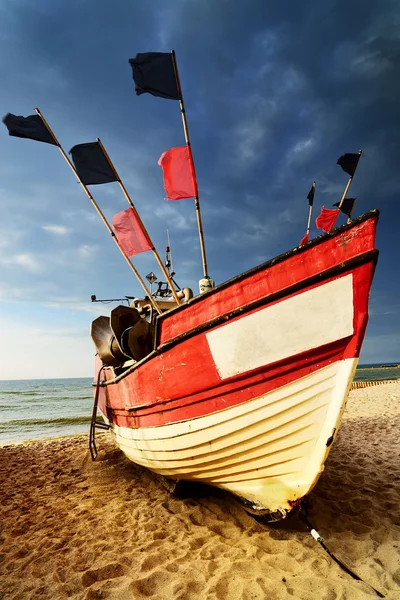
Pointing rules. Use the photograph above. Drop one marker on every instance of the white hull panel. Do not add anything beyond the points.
(269, 450)
(256, 340)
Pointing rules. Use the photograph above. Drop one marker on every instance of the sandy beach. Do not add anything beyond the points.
(71, 528)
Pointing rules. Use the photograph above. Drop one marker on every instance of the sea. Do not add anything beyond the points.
(32, 409)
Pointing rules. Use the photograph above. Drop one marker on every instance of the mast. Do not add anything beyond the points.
(346, 189)
(99, 212)
(187, 139)
(128, 198)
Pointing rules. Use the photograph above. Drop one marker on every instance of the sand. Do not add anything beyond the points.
(71, 528)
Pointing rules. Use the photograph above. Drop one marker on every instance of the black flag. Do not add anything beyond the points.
(91, 164)
(311, 193)
(347, 206)
(31, 127)
(154, 73)
(349, 163)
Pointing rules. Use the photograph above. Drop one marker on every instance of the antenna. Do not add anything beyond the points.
(151, 278)
(94, 298)
(169, 260)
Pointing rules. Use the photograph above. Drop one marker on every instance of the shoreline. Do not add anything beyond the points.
(355, 385)
(379, 368)
(83, 530)
(43, 440)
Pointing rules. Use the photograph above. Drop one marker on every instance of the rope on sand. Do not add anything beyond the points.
(304, 517)
(363, 384)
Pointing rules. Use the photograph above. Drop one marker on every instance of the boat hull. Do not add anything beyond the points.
(247, 385)
(269, 451)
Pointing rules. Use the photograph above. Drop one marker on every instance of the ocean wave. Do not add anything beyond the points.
(27, 423)
(46, 399)
(14, 393)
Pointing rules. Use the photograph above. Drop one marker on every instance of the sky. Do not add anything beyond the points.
(275, 92)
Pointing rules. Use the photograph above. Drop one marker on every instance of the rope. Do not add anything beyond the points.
(319, 539)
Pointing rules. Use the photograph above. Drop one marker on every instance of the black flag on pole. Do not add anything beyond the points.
(31, 127)
(349, 162)
(91, 164)
(154, 73)
(347, 206)
(311, 194)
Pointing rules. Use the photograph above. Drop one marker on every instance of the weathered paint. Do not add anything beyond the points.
(180, 414)
(258, 283)
(269, 450)
(183, 382)
(308, 322)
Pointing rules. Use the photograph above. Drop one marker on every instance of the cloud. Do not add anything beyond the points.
(10, 293)
(76, 305)
(10, 238)
(250, 232)
(57, 229)
(27, 261)
(381, 348)
(329, 187)
(87, 251)
(370, 64)
(274, 95)
(382, 303)
(360, 60)
(252, 132)
(300, 151)
(182, 220)
(79, 214)
(33, 347)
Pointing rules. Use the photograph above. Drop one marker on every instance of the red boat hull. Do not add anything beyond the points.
(294, 319)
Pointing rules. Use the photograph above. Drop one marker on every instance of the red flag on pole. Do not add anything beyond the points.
(179, 180)
(304, 240)
(130, 233)
(327, 218)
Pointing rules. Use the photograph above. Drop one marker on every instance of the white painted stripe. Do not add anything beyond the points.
(306, 321)
(176, 436)
(270, 450)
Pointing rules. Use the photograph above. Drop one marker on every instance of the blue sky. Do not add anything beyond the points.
(275, 92)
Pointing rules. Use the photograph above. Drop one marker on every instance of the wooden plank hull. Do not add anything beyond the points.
(247, 384)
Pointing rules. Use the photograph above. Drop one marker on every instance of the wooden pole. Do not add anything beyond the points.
(153, 249)
(186, 132)
(309, 219)
(346, 189)
(351, 212)
(142, 283)
(310, 210)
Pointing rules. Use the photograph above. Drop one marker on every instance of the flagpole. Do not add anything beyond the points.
(351, 212)
(186, 132)
(310, 211)
(142, 283)
(125, 192)
(309, 220)
(346, 189)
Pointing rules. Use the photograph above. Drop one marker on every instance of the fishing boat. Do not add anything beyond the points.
(242, 387)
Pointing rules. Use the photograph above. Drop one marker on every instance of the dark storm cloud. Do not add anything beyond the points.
(275, 93)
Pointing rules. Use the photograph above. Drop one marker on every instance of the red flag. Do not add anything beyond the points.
(304, 240)
(179, 178)
(131, 236)
(327, 218)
